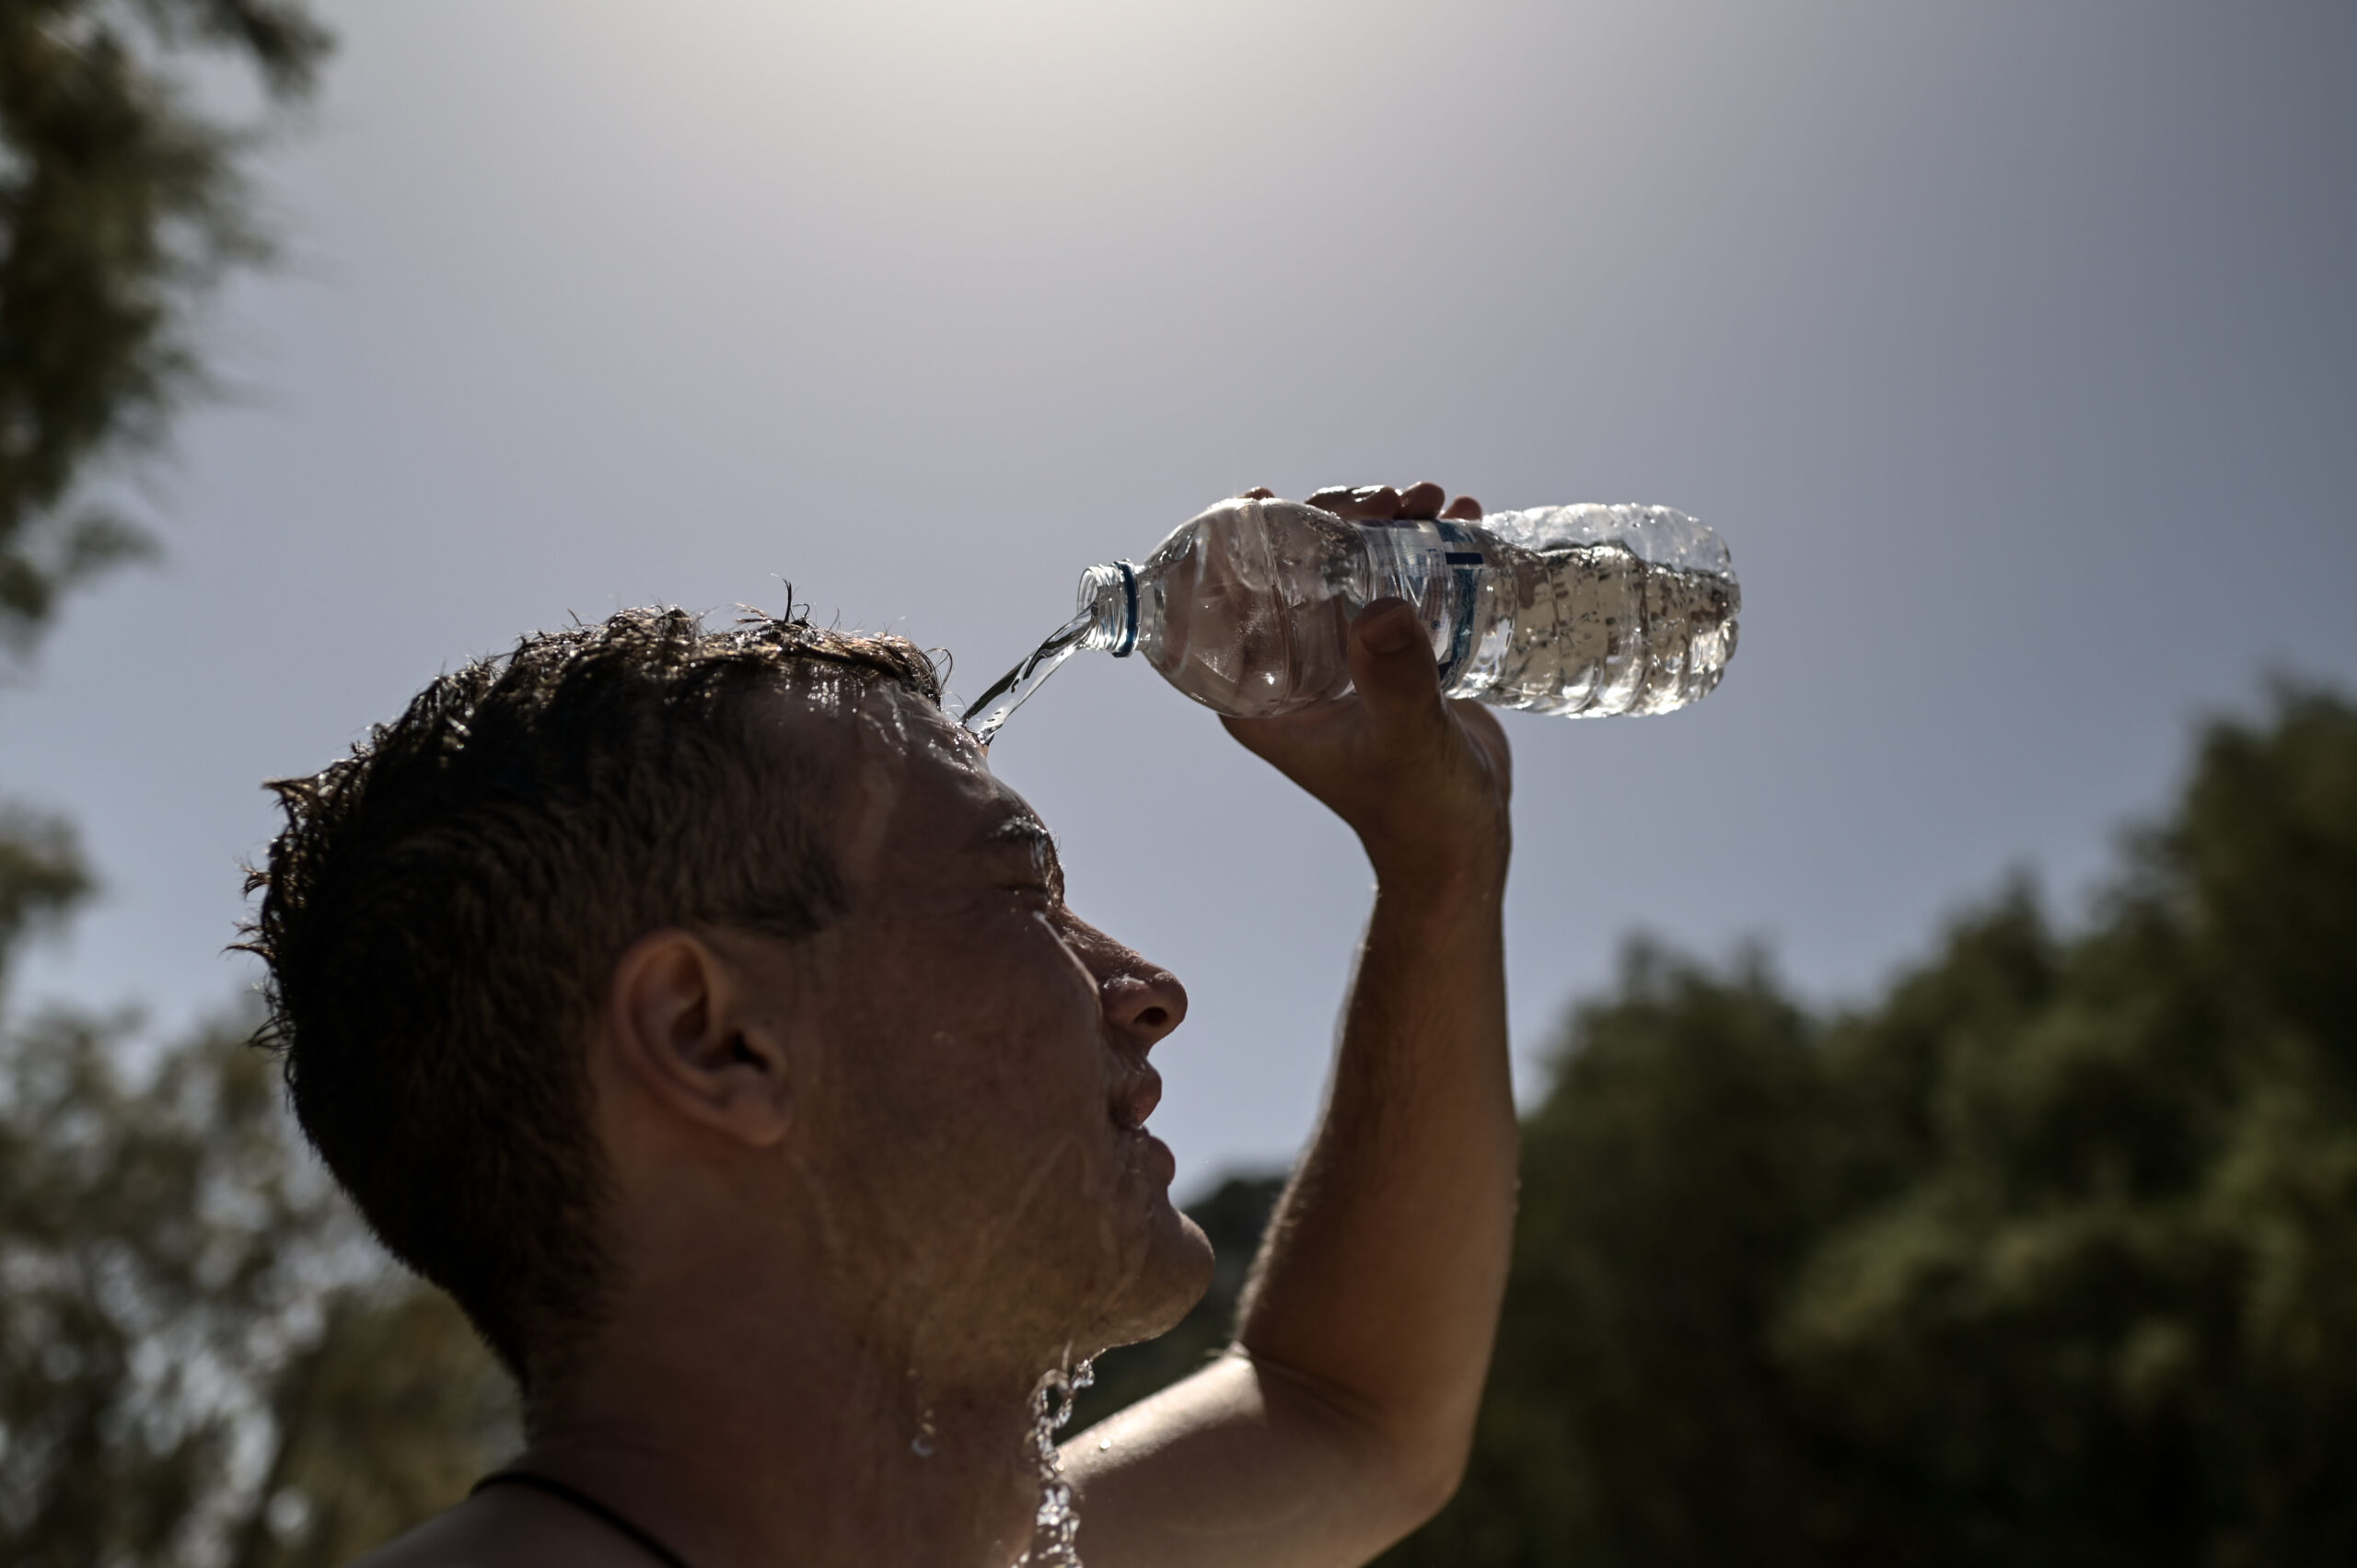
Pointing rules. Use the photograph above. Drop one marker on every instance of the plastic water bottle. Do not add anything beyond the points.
(1584, 611)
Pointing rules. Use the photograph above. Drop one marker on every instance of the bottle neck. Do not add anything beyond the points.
(1111, 593)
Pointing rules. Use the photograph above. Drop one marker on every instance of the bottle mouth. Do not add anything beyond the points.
(1110, 593)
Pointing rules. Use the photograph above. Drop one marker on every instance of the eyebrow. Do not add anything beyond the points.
(1024, 829)
(1018, 827)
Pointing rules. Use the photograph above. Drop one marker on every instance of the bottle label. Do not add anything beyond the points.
(1464, 562)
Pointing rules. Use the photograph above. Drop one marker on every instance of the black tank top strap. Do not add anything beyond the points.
(566, 1493)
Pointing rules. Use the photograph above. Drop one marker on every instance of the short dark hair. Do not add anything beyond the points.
(442, 908)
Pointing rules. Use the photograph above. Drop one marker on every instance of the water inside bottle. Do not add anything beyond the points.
(988, 712)
(1594, 630)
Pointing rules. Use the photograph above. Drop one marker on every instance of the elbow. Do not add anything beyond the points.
(1428, 1486)
(1422, 1476)
(1395, 1466)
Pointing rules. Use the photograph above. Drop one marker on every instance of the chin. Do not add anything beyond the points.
(1178, 1273)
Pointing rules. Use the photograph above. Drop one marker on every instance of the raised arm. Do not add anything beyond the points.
(1343, 1417)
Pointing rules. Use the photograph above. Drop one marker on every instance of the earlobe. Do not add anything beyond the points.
(688, 1027)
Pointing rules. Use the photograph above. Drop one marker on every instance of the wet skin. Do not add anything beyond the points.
(972, 1125)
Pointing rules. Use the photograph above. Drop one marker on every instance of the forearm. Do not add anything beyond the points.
(1367, 1327)
(1380, 1280)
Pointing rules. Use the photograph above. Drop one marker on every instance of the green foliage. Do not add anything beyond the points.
(119, 204)
(1670, 1187)
(390, 1414)
(201, 1358)
(41, 878)
(2049, 1258)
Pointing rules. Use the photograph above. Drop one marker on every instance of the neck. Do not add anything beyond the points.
(763, 1435)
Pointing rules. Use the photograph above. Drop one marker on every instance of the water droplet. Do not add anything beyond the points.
(922, 1443)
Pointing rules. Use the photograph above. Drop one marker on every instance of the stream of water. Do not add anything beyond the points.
(986, 713)
(1057, 1525)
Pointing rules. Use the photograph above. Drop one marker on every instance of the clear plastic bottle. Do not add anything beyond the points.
(1581, 610)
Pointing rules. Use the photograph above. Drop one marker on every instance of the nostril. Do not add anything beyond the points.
(1142, 1001)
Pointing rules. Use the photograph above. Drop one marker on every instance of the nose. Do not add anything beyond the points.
(1142, 1001)
(1145, 1004)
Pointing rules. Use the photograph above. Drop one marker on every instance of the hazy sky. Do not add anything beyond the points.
(2010, 345)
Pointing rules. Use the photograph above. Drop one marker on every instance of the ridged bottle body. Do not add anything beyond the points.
(1583, 610)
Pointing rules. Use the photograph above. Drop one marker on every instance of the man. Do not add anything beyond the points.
(700, 1011)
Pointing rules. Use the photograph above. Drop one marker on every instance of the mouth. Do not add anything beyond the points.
(1133, 1100)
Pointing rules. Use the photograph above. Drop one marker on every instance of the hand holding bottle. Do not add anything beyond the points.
(1423, 781)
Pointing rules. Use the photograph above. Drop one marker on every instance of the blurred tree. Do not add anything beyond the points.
(2049, 1258)
(120, 202)
(2114, 1313)
(41, 878)
(1672, 1184)
(202, 1358)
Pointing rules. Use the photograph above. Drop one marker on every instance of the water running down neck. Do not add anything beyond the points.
(1056, 1526)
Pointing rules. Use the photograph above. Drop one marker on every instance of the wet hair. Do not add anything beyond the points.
(442, 908)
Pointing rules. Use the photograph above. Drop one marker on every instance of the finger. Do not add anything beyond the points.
(1421, 501)
(1397, 677)
(1464, 509)
(1358, 503)
(1361, 505)
(1258, 492)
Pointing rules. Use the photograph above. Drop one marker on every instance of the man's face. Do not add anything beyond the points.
(972, 1142)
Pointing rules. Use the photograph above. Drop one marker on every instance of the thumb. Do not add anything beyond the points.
(1393, 667)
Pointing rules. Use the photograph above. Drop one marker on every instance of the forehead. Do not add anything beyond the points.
(912, 791)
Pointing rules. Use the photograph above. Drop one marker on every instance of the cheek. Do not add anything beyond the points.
(1007, 979)
(976, 1033)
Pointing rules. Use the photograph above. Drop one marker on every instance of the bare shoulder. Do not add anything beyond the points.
(506, 1528)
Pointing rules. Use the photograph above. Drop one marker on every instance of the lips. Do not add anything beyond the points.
(1133, 1100)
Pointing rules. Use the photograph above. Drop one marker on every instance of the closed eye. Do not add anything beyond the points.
(1031, 854)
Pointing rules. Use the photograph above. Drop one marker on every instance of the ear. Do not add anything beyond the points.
(700, 1034)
